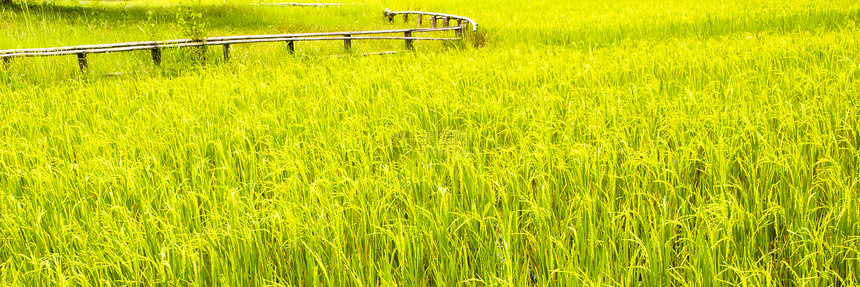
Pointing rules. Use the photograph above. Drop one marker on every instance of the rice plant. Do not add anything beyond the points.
(658, 143)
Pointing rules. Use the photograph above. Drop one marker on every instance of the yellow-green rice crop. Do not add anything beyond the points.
(666, 142)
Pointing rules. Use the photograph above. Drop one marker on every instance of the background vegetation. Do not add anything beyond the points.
(684, 143)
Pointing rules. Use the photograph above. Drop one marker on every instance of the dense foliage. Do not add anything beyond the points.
(684, 143)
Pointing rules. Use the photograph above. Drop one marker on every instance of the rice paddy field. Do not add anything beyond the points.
(567, 143)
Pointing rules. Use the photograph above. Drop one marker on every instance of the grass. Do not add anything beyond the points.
(633, 144)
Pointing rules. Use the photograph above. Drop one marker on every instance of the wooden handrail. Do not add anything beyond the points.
(171, 43)
(155, 47)
(390, 14)
(216, 43)
(299, 4)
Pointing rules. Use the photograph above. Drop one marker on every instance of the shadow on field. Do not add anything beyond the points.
(222, 17)
(597, 35)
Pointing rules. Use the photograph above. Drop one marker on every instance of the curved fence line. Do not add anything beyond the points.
(433, 18)
(155, 47)
(309, 4)
(210, 40)
(299, 4)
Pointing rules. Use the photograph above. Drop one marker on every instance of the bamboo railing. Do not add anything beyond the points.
(434, 17)
(156, 47)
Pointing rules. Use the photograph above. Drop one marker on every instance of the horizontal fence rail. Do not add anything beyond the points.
(299, 4)
(433, 18)
(215, 41)
(155, 47)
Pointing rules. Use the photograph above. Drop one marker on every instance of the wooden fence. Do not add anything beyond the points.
(301, 4)
(434, 18)
(155, 47)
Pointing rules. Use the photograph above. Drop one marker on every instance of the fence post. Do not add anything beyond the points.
(156, 56)
(347, 43)
(445, 22)
(227, 53)
(433, 21)
(462, 31)
(405, 18)
(409, 45)
(82, 62)
(419, 20)
(291, 46)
